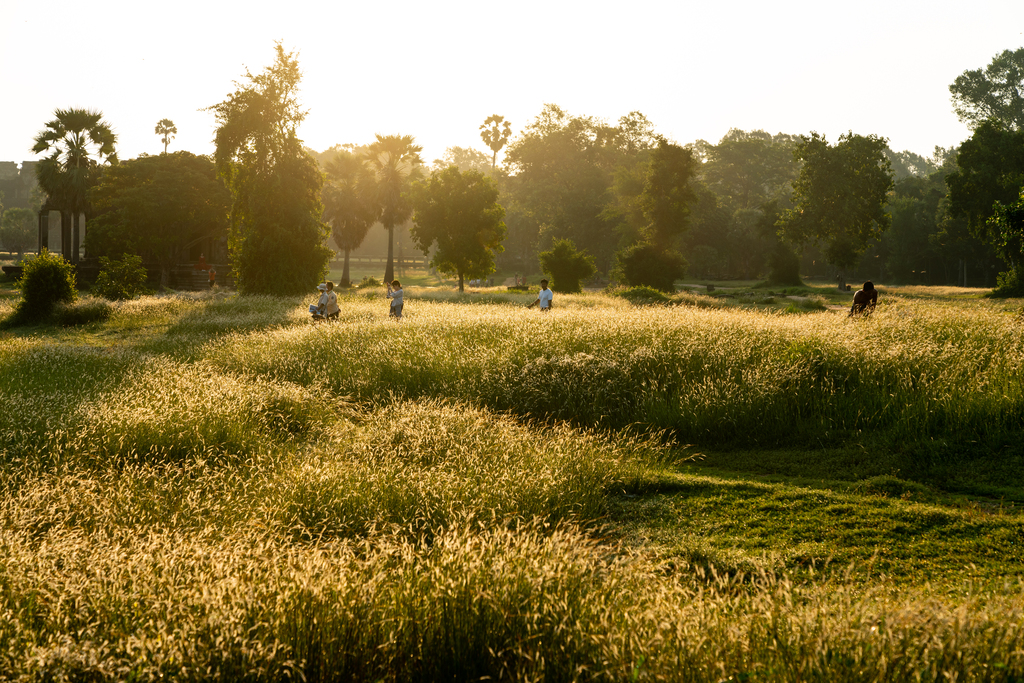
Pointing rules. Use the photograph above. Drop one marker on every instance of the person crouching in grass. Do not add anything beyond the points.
(864, 301)
(395, 294)
(544, 297)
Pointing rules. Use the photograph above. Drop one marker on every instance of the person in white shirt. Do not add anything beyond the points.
(331, 308)
(544, 297)
(395, 294)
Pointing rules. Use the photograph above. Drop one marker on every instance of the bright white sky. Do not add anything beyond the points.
(436, 70)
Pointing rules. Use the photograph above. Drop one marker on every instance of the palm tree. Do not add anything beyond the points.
(348, 204)
(496, 136)
(166, 129)
(393, 162)
(79, 140)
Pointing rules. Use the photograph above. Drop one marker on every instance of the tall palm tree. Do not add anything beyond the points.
(166, 129)
(348, 204)
(393, 162)
(78, 141)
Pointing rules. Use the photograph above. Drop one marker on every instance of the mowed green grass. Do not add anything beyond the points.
(211, 486)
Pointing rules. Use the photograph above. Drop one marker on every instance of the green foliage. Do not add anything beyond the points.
(567, 266)
(840, 195)
(46, 282)
(369, 282)
(18, 230)
(78, 141)
(155, 206)
(643, 296)
(995, 94)
(647, 264)
(121, 279)
(276, 236)
(668, 192)
(348, 204)
(393, 164)
(458, 212)
(990, 169)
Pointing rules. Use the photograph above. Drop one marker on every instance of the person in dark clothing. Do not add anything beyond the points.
(864, 300)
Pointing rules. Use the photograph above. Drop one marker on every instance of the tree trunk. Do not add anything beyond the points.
(389, 270)
(75, 236)
(461, 288)
(841, 276)
(65, 235)
(165, 276)
(344, 271)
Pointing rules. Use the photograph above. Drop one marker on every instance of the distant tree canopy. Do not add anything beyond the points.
(349, 205)
(561, 172)
(155, 206)
(277, 234)
(995, 93)
(18, 230)
(990, 169)
(840, 195)
(458, 213)
(393, 163)
(465, 158)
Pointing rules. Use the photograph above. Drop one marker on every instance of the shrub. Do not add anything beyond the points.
(1008, 285)
(46, 281)
(784, 266)
(121, 280)
(369, 282)
(647, 264)
(642, 296)
(567, 266)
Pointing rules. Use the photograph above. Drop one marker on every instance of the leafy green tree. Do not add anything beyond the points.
(459, 212)
(276, 235)
(561, 172)
(121, 279)
(393, 162)
(990, 169)
(467, 159)
(647, 264)
(78, 141)
(567, 266)
(348, 204)
(746, 169)
(495, 132)
(156, 206)
(668, 192)
(995, 93)
(18, 231)
(840, 196)
(166, 129)
(1007, 221)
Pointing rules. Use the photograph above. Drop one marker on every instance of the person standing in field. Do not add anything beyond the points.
(544, 297)
(864, 300)
(213, 277)
(395, 294)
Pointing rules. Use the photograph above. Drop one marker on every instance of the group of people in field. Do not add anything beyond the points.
(326, 308)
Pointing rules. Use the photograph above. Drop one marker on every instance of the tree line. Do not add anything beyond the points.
(575, 194)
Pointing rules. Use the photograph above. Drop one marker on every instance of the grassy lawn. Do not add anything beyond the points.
(724, 486)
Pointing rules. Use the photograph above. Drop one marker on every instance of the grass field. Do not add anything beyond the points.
(713, 488)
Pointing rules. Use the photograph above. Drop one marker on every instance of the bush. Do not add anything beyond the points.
(121, 280)
(369, 282)
(646, 264)
(46, 281)
(567, 266)
(1009, 285)
(784, 266)
(643, 296)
